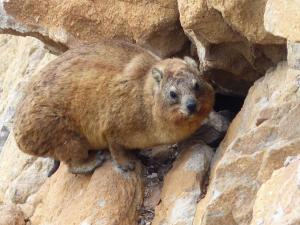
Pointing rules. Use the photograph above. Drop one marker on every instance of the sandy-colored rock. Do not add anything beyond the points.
(247, 18)
(20, 59)
(258, 141)
(232, 45)
(20, 175)
(217, 21)
(294, 55)
(282, 18)
(182, 185)
(154, 24)
(108, 197)
(233, 67)
(10, 214)
(205, 22)
(278, 200)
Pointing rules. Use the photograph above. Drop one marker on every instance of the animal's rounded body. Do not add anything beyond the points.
(109, 95)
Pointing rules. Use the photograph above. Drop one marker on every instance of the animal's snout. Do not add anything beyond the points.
(191, 105)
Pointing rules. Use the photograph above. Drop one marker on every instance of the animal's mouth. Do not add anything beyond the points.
(187, 114)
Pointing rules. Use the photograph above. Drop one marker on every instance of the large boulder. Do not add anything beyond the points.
(233, 47)
(10, 214)
(20, 59)
(183, 185)
(258, 141)
(278, 200)
(61, 24)
(108, 196)
(282, 19)
(21, 175)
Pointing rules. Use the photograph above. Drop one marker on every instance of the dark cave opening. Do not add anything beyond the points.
(229, 104)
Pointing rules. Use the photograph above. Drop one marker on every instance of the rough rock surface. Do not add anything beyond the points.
(236, 42)
(109, 196)
(258, 141)
(278, 200)
(232, 44)
(183, 185)
(154, 24)
(20, 175)
(10, 214)
(294, 55)
(282, 18)
(20, 59)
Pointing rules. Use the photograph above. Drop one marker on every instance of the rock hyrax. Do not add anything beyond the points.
(110, 95)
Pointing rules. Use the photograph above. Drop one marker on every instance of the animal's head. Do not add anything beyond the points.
(180, 90)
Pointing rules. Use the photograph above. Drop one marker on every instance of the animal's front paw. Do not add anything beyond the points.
(128, 166)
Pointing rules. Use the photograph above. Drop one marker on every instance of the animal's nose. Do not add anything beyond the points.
(191, 105)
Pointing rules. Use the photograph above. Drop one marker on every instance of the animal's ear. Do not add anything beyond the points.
(157, 74)
(190, 61)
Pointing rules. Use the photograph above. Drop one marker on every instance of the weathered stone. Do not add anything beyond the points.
(182, 185)
(294, 55)
(278, 200)
(247, 18)
(206, 23)
(20, 59)
(109, 197)
(258, 141)
(20, 175)
(153, 24)
(232, 44)
(10, 214)
(282, 18)
(213, 129)
(233, 67)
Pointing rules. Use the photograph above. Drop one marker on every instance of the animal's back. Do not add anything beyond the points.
(76, 94)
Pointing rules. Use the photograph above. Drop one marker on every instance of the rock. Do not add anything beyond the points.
(182, 185)
(20, 175)
(258, 141)
(213, 129)
(294, 55)
(62, 24)
(205, 22)
(278, 200)
(282, 18)
(109, 197)
(232, 45)
(247, 18)
(10, 214)
(233, 67)
(216, 21)
(21, 58)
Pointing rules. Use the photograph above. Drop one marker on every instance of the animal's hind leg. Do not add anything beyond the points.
(74, 151)
(94, 160)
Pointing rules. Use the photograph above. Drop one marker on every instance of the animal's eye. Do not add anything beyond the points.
(196, 87)
(173, 94)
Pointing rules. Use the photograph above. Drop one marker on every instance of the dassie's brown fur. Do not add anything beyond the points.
(110, 95)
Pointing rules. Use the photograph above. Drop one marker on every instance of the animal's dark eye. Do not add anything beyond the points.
(196, 87)
(173, 94)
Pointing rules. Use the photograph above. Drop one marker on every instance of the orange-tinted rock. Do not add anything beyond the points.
(183, 185)
(154, 24)
(10, 214)
(278, 200)
(109, 196)
(258, 141)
